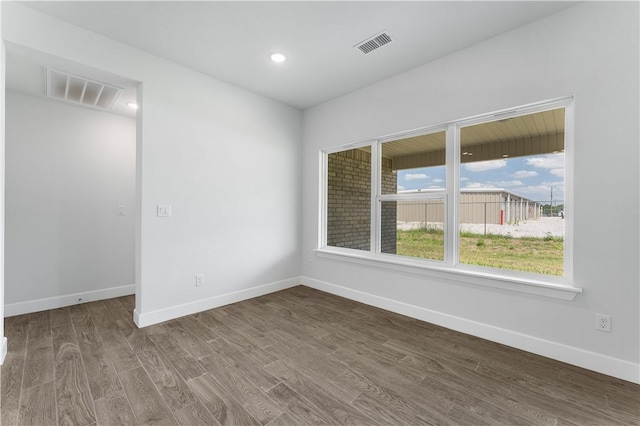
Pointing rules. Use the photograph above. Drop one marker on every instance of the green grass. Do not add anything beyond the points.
(539, 255)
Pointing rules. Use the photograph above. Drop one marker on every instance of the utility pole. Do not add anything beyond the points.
(551, 203)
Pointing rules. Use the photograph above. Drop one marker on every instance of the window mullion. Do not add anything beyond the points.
(322, 192)
(453, 189)
(375, 192)
(569, 136)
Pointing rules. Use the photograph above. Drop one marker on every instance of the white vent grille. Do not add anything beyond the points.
(81, 90)
(374, 42)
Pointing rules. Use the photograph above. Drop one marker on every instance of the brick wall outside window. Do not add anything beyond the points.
(349, 201)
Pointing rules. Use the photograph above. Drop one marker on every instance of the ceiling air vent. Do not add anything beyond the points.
(81, 90)
(374, 42)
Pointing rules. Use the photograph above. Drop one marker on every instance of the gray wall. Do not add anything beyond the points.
(590, 50)
(226, 160)
(68, 168)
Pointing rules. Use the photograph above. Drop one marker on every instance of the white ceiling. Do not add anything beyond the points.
(232, 41)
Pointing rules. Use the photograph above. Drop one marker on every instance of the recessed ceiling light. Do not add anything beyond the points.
(132, 105)
(278, 57)
(505, 155)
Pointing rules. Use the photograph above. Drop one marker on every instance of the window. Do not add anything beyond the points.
(349, 199)
(511, 204)
(488, 195)
(412, 196)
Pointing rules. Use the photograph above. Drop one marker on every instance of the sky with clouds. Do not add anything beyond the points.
(531, 177)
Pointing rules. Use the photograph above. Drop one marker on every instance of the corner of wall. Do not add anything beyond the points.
(144, 319)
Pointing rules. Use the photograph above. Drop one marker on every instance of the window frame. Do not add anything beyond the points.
(379, 198)
(450, 268)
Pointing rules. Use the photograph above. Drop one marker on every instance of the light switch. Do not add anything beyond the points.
(120, 210)
(164, 210)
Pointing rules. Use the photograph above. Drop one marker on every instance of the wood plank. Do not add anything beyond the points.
(204, 334)
(148, 406)
(128, 303)
(256, 402)
(73, 397)
(283, 420)
(188, 367)
(304, 340)
(38, 367)
(406, 387)
(59, 318)
(390, 404)
(320, 392)
(246, 312)
(243, 364)
(9, 417)
(345, 390)
(123, 319)
(117, 349)
(65, 344)
(297, 318)
(241, 344)
(101, 316)
(154, 329)
(114, 409)
(11, 382)
(195, 414)
(388, 415)
(38, 405)
(301, 410)
(220, 404)
(11, 372)
(100, 370)
(16, 329)
(168, 382)
(233, 325)
(39, 331)
(306, 357)
(390, 371)
(170, 346)
(210, 320)
(181, 337)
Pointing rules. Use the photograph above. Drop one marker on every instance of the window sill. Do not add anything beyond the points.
(487, 279)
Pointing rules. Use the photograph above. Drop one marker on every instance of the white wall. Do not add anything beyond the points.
(3, 339)
(590, 50)
(227, 160)
(68, 169)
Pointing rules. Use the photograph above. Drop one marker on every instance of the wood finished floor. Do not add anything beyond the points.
(294, 357)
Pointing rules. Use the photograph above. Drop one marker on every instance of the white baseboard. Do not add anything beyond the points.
(604, 364)
(154, 317)
(3, 350)
(38, 305)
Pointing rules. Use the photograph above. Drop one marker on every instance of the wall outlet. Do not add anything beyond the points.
(199, 280)
(121, 210)
(603, 322)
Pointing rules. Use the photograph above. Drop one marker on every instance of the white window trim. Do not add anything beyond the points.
(450, 269)
(427, 268)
